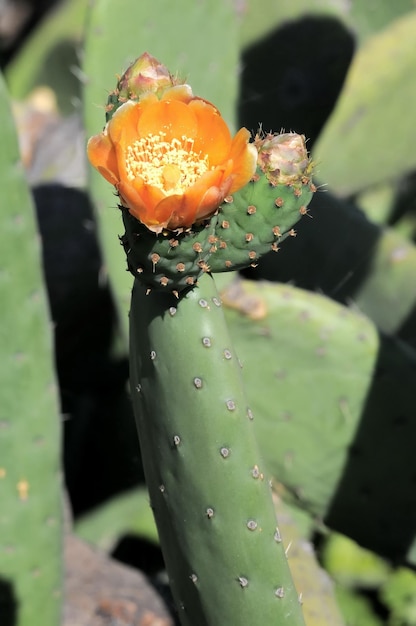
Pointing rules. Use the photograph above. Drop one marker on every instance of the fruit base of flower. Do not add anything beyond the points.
(171, 261)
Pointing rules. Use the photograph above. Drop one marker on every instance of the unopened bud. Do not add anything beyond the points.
(283, 158)
(146, 74)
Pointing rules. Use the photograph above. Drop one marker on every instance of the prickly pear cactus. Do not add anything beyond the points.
(173, 161)
(30, 513)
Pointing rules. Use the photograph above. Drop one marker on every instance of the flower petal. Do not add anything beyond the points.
(209, 203)
(182, 93)
(141, 199)
(177, 114)
(102, 156)
(244, 156)
(192, 206)
(214, 137)
(168, 116)
(122, 128)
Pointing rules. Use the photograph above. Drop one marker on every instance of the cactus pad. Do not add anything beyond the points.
(254, 220)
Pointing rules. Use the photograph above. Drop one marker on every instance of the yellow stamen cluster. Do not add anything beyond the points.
(171, 166)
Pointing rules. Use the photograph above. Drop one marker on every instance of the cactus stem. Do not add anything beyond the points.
(165, 415)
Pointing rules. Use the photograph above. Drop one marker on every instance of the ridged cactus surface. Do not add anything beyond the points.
(30, 511)
(208, 488)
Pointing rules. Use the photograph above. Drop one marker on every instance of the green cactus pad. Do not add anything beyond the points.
(335, 405)
(308, 397)
(255, 219)
(30, 481)
(210, 497)
(170, 261)
(369, 118)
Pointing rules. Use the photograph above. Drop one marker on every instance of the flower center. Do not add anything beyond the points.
(171, 166)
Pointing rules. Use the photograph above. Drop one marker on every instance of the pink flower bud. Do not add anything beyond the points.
(283, 158)
(146, 74)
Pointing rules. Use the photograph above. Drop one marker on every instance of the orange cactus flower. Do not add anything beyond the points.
(172, 160)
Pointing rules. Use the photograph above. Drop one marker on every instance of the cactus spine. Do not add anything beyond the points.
(211, 500)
